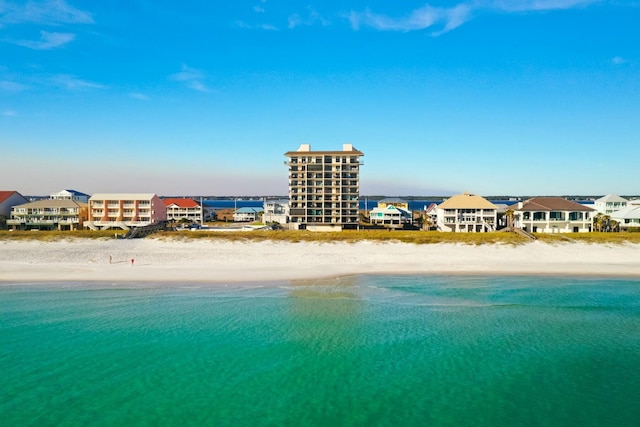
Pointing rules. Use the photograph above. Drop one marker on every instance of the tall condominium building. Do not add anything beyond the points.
(324, 188)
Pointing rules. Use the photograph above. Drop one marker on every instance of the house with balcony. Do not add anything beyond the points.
(183, 210)
(70, 195)
(553, 215)
(124, 210)
(466, 213)
(609, 204)
(8, 199)
(391, 213)
(247, 214)
(276, 211)
(628, 219)
(49, 214)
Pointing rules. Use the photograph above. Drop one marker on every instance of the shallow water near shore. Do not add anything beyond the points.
(353, 351)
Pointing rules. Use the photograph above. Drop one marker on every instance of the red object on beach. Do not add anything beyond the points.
(131, 261)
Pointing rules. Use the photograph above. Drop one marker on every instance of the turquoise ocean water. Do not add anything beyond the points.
(356, 351)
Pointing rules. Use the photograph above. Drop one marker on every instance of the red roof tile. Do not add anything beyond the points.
(180, 202)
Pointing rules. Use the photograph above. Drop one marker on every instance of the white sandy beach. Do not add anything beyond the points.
(219, 262)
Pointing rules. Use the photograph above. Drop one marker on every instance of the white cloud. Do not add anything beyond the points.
(312, 18)
(49, 12)
(444, 19)
(191, 77)
(258, 9)
(139, 96)
(74, 83)
(11, 86)
(269, 27)
(533, 5)
(618, 60)
(47, 41)
(427, 16)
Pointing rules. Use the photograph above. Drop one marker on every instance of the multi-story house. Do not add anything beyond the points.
(247, 214)
(9, 199)
(553, 215)
(628, 218)
(609, 204)
(391, 213)
(276, 211)
(183, 209)
(324, 188)
(49, 214)
(466, 212)
(125, 211)
(70, 195)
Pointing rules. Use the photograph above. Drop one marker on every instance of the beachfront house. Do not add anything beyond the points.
(49, 214)
(276, 211)
(391, 213)
(183, 210)
(466, 213)
(324, 188)
(124, 210)
(247, 214)
(628, 218)
(553, 215)
(70, 195)
(609, 204)
(8, 199)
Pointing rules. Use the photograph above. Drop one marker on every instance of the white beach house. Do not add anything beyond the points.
(553, 215)
(466, 213)
(609, 204)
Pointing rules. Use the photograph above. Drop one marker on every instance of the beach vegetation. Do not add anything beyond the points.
(348, 236)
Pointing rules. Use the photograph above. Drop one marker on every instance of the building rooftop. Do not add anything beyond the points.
(552, 204)
(466, 201)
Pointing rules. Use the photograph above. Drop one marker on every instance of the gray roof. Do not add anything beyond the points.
(611, 198)
(630, 212)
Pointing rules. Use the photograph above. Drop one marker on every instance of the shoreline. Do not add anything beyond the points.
(216, 262)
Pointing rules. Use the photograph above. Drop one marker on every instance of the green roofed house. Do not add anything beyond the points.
(391, 213)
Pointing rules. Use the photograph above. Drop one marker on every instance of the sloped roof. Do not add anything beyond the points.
(249, 210)
(552, 204)
(466, 201)
(611, 198)
(630, 212)
(390, 208)
(53, 203)
(4, 195)
(180, 202)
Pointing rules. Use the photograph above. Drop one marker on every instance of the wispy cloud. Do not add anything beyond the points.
(533, 5)
(49, 12)
(618, 60)
(9, 113)
(11, 86)
(191, 77)
(258, 9)
(443, 19)
(71, 82)
(139, 96)
(311, 18)
(47, 41)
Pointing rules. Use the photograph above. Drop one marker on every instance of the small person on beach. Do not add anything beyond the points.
(131, 262)
(110, 259)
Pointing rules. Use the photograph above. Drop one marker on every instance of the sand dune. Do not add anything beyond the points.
(219, 262)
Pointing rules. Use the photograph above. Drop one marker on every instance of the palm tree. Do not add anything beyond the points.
(598, 221)
(510, 214)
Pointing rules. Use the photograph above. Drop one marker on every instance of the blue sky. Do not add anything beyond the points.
(495, 97)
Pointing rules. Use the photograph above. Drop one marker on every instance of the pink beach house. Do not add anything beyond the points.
(122, 210)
